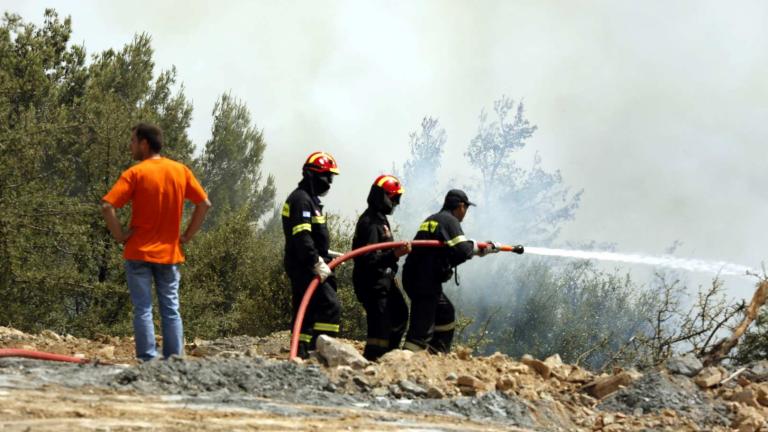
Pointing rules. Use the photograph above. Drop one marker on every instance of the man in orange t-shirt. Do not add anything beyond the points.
(156, 187)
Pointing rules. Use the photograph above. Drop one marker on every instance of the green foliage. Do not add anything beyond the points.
(63, 143)
(230, 164)
(577, 311)
(754, 345)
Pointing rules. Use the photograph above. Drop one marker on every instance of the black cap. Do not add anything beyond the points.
(456, 196)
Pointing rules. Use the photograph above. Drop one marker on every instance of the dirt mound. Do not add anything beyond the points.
(657, 391)
(499, 391)
(256, 376)
(108, 348)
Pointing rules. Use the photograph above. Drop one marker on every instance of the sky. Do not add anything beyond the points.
(658, 110)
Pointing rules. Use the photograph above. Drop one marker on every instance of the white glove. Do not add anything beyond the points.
(476, 251)
(321, 269)
(333, 254)
(490, 247)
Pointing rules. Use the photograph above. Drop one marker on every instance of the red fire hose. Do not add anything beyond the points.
(39, 355)
(356, 253)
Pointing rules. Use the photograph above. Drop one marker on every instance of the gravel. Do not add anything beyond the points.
(656, 391)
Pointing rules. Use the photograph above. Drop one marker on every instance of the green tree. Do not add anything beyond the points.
(63, 142)
(230, 164)
(419, 175)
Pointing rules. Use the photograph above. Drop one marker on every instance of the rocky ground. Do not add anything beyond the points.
(246, 383)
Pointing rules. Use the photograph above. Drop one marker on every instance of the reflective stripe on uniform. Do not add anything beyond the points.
(456, 240)
(445, 327)
(286, 210)
(377, 342)
(302, 227)
(428, 226)
(305, 337)
(410, 346)
(326, 327)
(318, 219)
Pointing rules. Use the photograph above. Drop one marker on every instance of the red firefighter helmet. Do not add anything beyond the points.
(321, 162)
(390, 184)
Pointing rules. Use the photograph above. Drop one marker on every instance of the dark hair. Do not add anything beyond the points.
(151, 133)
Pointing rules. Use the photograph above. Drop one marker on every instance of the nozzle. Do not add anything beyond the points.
(518, 249)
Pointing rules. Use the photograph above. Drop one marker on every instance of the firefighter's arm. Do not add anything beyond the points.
(460, 248)
(300, 218)
(368, 233)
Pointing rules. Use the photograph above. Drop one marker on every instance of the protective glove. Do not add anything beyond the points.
(333, 254)
(403, 250)
(321, 269)
(490, 247)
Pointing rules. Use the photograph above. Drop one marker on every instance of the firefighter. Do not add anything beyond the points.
(306, 250)
(374, 273)
(433, 318)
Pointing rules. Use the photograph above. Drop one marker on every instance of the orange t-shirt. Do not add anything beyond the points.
(156, 189)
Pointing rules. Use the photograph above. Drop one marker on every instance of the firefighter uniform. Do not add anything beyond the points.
(376, 287)
(433, 318)
(306, 239)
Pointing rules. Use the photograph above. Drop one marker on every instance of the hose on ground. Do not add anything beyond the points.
(39, 355)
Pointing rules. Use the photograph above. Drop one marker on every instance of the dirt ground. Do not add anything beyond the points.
(246, 383)
(62, 409)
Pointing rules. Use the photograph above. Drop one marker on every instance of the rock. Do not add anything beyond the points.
(518, 368)
(337, 353)
(688, 365)
(397, 356)
(498, 359)
(107, 352)
(451, 377)
(380, 392)
(361, 382)
(708, 377)
(230, 354)
(203, 350)
(540, 367)
(579, 375)
(602, 387)
(7, 331)
(395, 390)
(505, 383)
(467, 380)
(757, 372)
(48, 334)
(412, 388)
(747, 419)
(553, 361)
(434, 392)
(746, 396)
(762, 394)
(469, 385)
(463, 353)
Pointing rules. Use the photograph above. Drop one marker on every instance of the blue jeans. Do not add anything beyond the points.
(166, 276)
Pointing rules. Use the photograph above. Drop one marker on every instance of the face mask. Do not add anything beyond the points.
(322, 183)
